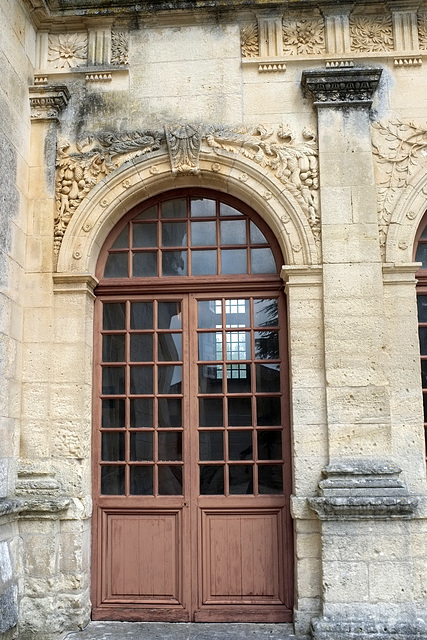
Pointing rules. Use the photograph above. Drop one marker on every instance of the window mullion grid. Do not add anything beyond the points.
(156, 398)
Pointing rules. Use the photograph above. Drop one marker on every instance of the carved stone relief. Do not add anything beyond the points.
(400, 149)
(371, 33)
(302, 37)
(119, 48)
(67, 50)
(422, 30)
(81, 167)
(249, 40)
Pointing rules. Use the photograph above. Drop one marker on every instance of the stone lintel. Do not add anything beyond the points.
(47, 101)
(363, 489)
(343, 87)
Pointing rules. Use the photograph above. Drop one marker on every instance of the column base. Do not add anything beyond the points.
(332, 628)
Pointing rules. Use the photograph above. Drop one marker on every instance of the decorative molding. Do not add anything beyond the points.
(48, 101)
(337, 33)
(408, 62)
(405, 28)
(422, 30)
(363, 489)
(119, 48)
(342, 87)
(249, 40)
(270, 36)
(271, 67)
(371, 33)
(98, 77)
(304, 37)
(400, 149)
(67, 50)
(81, 167)
(336, 64)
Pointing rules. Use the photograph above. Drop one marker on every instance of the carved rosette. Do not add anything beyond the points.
(303, 37)
(67, 50)
(46, 102)
(342, 87)
(371, 33)
(249, 40)
(119, 48)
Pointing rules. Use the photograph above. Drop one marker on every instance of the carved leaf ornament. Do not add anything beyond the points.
(294, 165)
(400, 149)
(303, 37)
(249, 40)
(371, 33)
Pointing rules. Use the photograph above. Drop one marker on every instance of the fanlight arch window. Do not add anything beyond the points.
(188, 234)
(421, 256)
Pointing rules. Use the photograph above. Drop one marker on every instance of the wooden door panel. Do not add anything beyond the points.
(241, 552)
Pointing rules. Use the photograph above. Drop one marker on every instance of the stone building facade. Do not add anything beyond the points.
(308, 118)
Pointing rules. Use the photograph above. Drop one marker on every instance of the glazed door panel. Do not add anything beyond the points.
(192, 472)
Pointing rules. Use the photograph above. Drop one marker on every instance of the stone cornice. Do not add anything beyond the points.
(47, 102)
(344, 87)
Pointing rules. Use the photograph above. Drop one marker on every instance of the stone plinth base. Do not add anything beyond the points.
(369, 629)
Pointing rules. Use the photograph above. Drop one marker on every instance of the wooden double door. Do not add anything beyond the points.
(192, 469)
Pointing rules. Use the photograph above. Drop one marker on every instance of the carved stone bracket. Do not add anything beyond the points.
(184, 148)
(349, 87)
(48, 101)
(363, 490)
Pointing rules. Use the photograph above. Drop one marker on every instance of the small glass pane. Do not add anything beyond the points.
(169, 346)
(141, 481)
(203, 263)
(116, 266)
(423, 340)
(424, 233)
(233, 261)
(174, 263)
(210, 378)
(237, 313)
(174, 208)
(268, 412)
(144, 264)
(267, 345)
(239, 412)
(226, 210)
(240, 445)
(422, 308)
(169, 315)
(174, 234)
(203, 234)
(170, 446)
(169, 379)
(203, 208)
(238, 345)
(257, 237)
(238, 378)
(170, 412)
(270, 478)
(209, 314)
(425, 406)
(112, 480)
(141, 380)
(113, 447)
(170, 480)
(210, 346)
(210, 412)
(267, 377)
(269, 445)
(113, 348)
(421, 254)
(211, 445)
(424, 374)
(240, 479)
(141, 445)
(266, 313)
(141, 315)
(262, 261)
(122, 241)
(113, 380)
(144, 235)
(148, 214)
(233, 232)
(141, 413)
(211, 480)
(113, 413)
(113, 316)
(141, 347)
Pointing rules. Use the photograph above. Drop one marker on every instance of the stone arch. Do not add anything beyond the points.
(142, 178)
(405, 220)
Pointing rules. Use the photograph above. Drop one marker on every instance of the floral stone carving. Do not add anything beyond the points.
(119, 48)
(371, 33)
(422, 30)
(400, 149)
(303, 37)
(249, 40)
(80, 168)
(67, 50)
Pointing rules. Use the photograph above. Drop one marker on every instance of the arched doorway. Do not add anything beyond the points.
(191, 444)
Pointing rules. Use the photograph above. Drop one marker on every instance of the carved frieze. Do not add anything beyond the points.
(46, 102)
(303, 37)
(342, 87)
(119, 48)
(422, 30)
(371, 33)
(400, 149)
(249, 40)
(67, 50)
(81, 167)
